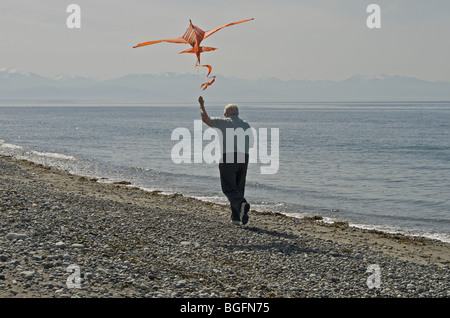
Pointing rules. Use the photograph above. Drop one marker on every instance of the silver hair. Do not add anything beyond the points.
(232, 109)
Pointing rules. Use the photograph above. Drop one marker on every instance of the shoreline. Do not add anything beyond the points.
(394, 231)
(132, 243)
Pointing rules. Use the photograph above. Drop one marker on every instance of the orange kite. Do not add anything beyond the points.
(194, 36)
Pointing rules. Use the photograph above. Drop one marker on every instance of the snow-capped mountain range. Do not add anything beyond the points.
(24, 87)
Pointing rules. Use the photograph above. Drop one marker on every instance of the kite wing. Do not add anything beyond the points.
(211, 32)
(177, 40)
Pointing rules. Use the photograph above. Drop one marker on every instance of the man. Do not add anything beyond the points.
(235, 155)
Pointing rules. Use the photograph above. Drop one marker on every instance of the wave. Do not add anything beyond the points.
(53, 155)
(443, 237)
(9, 146)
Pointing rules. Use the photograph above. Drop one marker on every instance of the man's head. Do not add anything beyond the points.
(230, 110)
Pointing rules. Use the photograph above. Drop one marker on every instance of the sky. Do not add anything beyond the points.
(289, 39)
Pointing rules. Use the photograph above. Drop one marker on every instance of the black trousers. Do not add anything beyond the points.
(232, 177)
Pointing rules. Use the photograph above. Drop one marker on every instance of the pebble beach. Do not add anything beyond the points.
(67, 236)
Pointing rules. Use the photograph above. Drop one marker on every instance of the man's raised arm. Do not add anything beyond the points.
(203, 113)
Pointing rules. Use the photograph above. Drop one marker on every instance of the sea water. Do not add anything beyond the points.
(375, 165)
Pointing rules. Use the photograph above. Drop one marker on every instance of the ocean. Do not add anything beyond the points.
(383, 166)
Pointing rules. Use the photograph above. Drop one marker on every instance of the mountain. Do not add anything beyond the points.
(22, 87)
(12, 79)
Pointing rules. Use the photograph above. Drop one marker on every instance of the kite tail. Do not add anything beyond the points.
(212, 79)
(205, 85)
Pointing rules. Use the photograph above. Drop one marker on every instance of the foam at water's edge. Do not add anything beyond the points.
(9, 146)
(53, 155)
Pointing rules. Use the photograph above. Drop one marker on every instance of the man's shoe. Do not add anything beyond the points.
(245, 207)
(235, 222)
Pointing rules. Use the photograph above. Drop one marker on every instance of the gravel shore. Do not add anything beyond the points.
(67, 236)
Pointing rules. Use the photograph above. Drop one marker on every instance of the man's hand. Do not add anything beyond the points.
(203, 113)
(201, 101)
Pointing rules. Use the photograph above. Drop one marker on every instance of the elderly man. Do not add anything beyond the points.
(234, 162)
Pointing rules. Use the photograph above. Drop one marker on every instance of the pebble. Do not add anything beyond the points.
(16, 236)
(60, 244)
(28, 274)
(358, 256)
